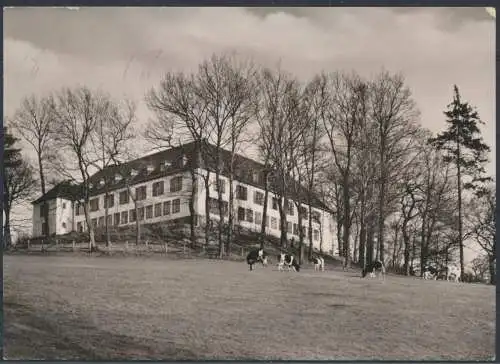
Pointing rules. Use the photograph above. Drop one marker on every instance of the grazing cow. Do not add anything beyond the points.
(319, 263)
(257, 255)
(453, 273)
(374, 267)
(289, 261)
(430, 273)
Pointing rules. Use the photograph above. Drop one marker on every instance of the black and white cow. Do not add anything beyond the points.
(255, 256)
(372, 268)
(430, 273)
(319, 263)
(453, 273)
(289, 260)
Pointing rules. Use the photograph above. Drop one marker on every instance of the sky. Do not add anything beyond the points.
(125, 51)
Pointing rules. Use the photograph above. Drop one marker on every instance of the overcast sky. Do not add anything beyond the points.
(124, 51)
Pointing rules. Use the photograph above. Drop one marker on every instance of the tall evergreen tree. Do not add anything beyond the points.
(463, 145)
(17, 178)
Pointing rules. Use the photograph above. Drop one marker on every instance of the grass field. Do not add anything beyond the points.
(66, 307)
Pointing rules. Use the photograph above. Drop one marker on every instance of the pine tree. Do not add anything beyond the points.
(463, 145)
(17, 181)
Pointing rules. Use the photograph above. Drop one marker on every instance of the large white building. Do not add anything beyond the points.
(162, 185)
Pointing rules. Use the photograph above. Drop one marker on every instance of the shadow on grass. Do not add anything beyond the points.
(325, 294)
(28, 335)
(339, 305)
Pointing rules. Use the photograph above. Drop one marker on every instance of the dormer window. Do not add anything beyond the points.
(255, 177)
(101, 182)
(118, 177)
(150, 168)
(165, 165)
(184, 160)
(133, 172)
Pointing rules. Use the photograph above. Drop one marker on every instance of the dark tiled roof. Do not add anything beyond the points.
(181, 159)
(63, 189)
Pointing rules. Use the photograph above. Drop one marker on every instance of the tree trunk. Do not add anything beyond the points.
(7, 234)
(220, 226)
(406, 239)
(362, 232)
(339, 221)
(92, 244)
(491, 266)
(264, 210)
(230, 219)
(347, 218)
(369, 240)
(423, 245)
(106, 214)
(192, 210)
(40, 169)
(310, 231)
(281, 208)
(362, 245)
(395, 245)
(42, 186)
(381, 222)
(355, 253)
(460, 228)
(301, 236)
(207, 209)
(321, 238)
(137, 224)
(413, 252)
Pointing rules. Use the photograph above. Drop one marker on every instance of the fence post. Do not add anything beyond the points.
(41, 249)
(73, 245)
(126, 244)
(147, 244)
(242, 252)
(166, 248)
(57, 243)
(184, 247)
(29, 244)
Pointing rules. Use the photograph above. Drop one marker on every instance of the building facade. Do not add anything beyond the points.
(161, 185)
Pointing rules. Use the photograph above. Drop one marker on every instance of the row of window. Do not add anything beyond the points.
(248, 215)
(158, 189)
(258, 198)
(121, 218)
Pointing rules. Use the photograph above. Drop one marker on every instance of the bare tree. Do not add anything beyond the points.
(483, 226)
(181, 117)
(80, 113)
(268, 113)
(347, 107)
(110, 141)
(394, 112)
(242, 95)
(315, 103)
(34, 123)
(227, 87)
(365, 170)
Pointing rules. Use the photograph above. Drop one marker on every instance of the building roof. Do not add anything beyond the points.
(179, 159)
(64, 189)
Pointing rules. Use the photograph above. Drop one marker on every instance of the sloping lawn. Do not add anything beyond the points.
(65, 307)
